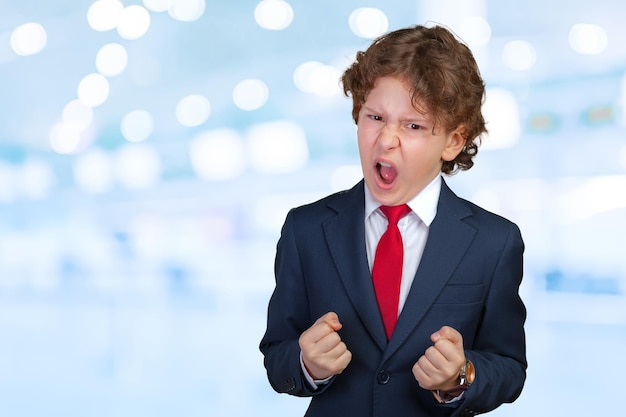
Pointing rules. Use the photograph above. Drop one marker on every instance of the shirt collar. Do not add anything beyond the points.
(424, 204)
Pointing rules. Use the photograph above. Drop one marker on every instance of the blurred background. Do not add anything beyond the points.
(149, 151)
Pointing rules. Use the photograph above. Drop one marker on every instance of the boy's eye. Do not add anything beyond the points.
(375, 117)
(414, 126)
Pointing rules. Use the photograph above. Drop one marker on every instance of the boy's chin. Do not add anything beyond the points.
(386, 195)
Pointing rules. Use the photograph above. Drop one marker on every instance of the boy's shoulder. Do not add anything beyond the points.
(488, 221)
(337, 199)
(477, 216)
(332, 204)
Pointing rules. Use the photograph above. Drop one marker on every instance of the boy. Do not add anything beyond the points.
(419, 319)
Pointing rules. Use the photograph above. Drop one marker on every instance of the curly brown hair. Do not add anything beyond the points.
(443, 76)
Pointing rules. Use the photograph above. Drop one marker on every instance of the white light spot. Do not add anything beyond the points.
(111, 59)
(138, 166)
(93, 171)
(317, 78)
(103, 15)
(250, 94)
(277, 147)
(501, 113)
(28, 39)
(273, 14)
(218, 155)
(368, 22)
(186, 10)
(587, 39)
(137, 126)
(36, 179)
(157, 5)
(475, 31)
(519, 55)
(134, 22)
(65, 139)
(93, 90)
(77, 115)
(193, 110)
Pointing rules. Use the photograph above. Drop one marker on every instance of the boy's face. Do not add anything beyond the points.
(399, 152)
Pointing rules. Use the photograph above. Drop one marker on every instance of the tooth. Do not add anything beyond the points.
(384, 164)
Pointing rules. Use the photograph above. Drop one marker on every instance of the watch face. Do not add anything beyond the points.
(470, 372)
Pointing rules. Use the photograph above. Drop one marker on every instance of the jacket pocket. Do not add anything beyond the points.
(461, 294)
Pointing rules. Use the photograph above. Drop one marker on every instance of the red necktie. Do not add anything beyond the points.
(387, 269)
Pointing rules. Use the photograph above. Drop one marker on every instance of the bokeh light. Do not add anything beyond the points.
(93, 171)
(277, 147)
(157, 5)
(93, 89)
(250, 94)
(104, 15)
(186, 10)
(218, 155)
(137, 125)
(28, 39)
(65, 139)
(475, 31)
(519, 55)
(588, 39)
(134, 22)
(36, 179)
(137, 166)
(193, 110)
(502, 116)
(111, 59)
(273, 14)
(77, 115)
(317, 78)
(368, 22)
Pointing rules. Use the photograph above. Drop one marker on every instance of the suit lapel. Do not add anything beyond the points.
(448, 240)
(345, 236)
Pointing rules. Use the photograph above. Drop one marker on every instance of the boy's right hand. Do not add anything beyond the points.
(323, 352)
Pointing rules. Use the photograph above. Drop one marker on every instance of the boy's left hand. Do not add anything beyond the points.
(438, 368)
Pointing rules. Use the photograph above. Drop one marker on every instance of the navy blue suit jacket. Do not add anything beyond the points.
(468, 279)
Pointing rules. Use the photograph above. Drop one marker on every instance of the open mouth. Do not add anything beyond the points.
(387, 173)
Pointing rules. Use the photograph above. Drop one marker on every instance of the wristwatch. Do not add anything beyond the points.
(467, 374)
(466, 378)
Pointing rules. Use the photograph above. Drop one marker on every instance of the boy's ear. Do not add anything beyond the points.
(456, 142)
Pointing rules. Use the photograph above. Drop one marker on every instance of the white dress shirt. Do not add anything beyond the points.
(413, 228)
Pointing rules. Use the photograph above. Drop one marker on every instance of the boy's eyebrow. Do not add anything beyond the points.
(425, 117)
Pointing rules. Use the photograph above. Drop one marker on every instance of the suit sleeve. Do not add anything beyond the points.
(288, 316)
(499, 347)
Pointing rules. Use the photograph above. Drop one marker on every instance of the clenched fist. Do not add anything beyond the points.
(438, 368)
(323, 352)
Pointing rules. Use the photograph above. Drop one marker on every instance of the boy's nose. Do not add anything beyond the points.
(389, 137)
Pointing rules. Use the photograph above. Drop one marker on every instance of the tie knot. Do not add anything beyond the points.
(395, 213)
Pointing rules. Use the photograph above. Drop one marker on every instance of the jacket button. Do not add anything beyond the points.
(383, 377)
